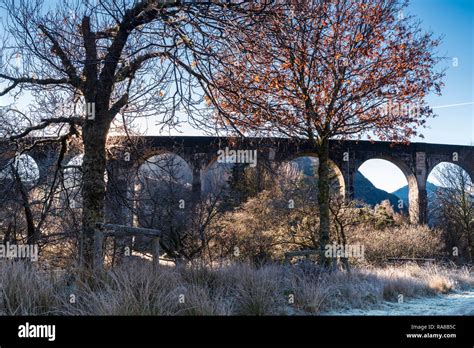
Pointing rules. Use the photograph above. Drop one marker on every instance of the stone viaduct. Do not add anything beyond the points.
(415, 160)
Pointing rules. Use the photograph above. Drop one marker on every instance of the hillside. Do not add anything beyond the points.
(365, 191)
(403, 191)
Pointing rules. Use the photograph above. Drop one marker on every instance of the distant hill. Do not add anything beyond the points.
(365, 191)
(403, 191)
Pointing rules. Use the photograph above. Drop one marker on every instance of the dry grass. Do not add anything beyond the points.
(138, 289)
(27, 291)
(404, 241)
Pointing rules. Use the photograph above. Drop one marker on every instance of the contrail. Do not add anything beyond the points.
(451, 105)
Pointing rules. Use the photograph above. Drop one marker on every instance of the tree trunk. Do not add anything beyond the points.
(32, 235)
(93, 187)
(323, 198)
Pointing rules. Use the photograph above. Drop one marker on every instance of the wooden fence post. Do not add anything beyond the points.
(156, 251)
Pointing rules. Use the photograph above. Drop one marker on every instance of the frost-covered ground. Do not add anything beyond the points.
(458, 303)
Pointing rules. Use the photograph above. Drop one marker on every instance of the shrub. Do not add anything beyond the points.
(405, 241)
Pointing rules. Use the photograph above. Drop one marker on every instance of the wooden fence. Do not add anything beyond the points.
(120, 231)
(410, 259)
(306, 253)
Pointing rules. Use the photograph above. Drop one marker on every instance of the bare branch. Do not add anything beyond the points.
(45, 123)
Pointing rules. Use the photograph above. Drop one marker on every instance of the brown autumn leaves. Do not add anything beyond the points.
(328, 69)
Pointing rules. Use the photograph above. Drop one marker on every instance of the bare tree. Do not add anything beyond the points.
(34, 208)
(345, 215)
(84, 63)
(164, 200)
(454, 208)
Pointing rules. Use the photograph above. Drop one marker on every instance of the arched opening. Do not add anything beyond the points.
(448, 174)
(23, 167)
(382, 179)
(162, 191)
(450, 192)
(234, 181)
(163, 200)
(231, 179)
(21, 199)
(306, 167)
(215, 179)
(447, 181)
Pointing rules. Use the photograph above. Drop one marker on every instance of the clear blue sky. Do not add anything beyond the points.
(455, 124)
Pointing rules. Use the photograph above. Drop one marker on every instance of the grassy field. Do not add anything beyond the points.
(135, 288)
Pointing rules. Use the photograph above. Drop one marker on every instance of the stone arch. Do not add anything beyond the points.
(142, 159)
(160, 174)
(209, 163)
(124, 186)
(416, 194)
(176, 159)
(461, 165)
(209, 175)
(26, 166)
(334, 168)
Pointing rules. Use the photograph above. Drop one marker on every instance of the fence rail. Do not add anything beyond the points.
(289, 255)
(410, 259)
